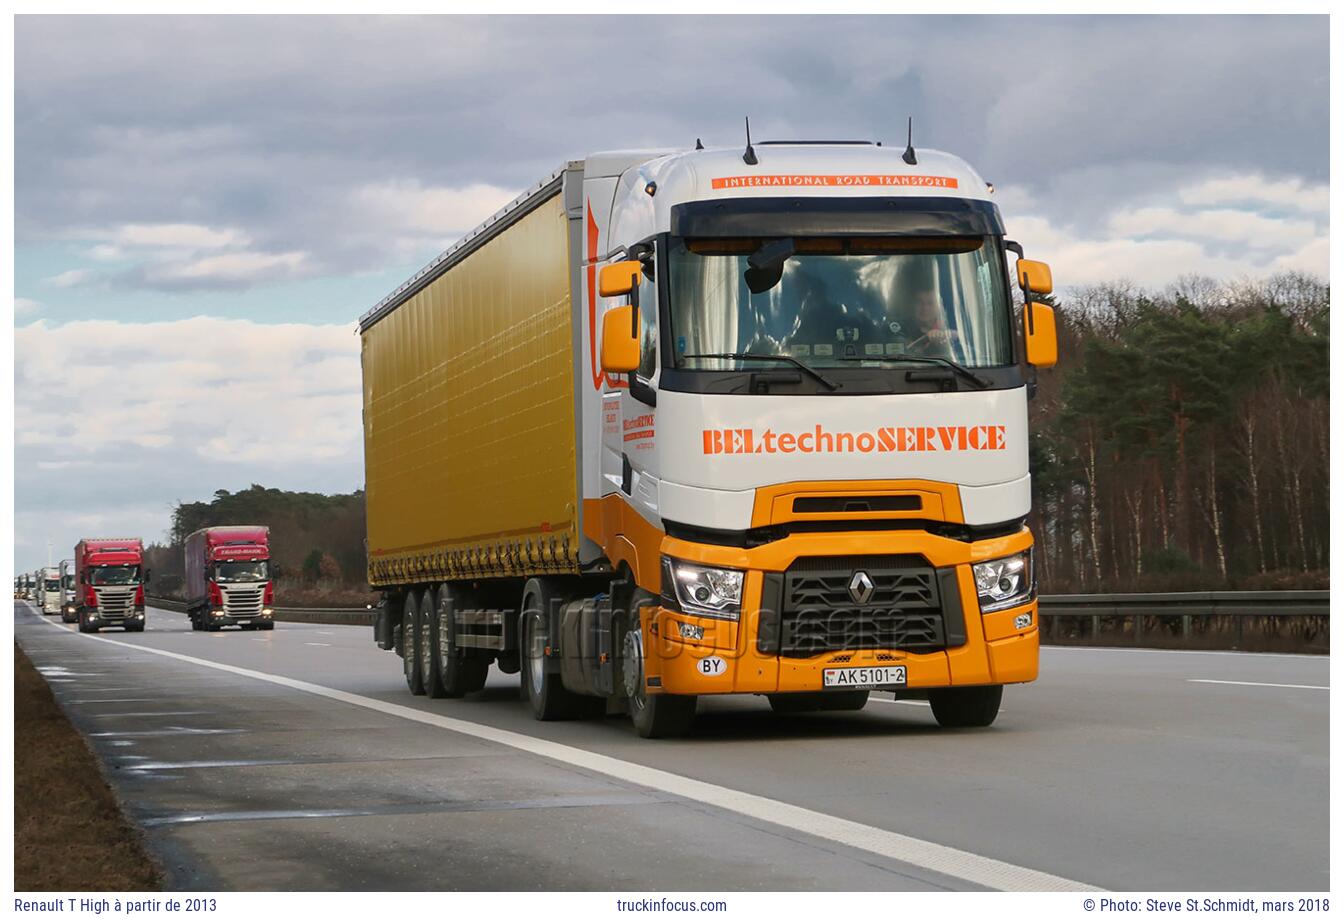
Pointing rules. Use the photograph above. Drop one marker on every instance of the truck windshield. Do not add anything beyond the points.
(838, 299)
(67, 581)
(51, 584)
(240, 571)
(114, 575)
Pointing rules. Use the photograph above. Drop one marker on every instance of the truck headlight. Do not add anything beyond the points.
(702, 590)
(1005, 582)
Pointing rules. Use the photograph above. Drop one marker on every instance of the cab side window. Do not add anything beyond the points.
(648, 323)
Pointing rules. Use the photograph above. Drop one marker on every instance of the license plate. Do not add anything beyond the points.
(893, 676)
(243, 622)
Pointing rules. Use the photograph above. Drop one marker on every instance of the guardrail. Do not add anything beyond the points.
(1171, 618)
(1119, 619)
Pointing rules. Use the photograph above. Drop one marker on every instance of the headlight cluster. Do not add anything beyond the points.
(702, 590)
(1004, 582)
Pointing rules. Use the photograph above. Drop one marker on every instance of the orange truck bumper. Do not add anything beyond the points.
(1002, 647)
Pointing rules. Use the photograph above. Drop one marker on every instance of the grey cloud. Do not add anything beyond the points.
(269, 124)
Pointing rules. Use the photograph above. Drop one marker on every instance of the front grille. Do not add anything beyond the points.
(242, 602)
(819, 614)
(115, 603)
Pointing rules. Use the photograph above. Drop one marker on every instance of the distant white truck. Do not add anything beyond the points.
(49, 589)
(68, 590)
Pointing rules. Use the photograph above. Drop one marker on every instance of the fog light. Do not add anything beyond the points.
(267, 611)
(216, 613)
(691, 631)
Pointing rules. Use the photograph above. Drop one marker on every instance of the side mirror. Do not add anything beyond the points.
(619, 278)
(1034, 277)
(1038, 321)
(620, 345)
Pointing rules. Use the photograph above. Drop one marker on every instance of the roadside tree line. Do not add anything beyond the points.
(1183, 440)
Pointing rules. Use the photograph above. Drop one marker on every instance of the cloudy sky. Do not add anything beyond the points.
(205, 204)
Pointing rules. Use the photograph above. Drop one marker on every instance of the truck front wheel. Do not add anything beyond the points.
(655, 716)
(966, 707)
(410, 644)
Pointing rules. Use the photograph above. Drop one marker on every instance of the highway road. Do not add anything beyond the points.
(295, 759)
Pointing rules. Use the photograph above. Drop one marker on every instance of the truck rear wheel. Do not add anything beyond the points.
(545, 692)
(659, 715)
(460, 671)
(966, 707)
(410, 644)
(839, 701)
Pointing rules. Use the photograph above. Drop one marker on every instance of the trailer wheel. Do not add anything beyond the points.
(424, 629)
(836, 701)
(431, 659)
(459, 671)
(661, 715)
(546, 693)
(966, 707)
(410, 645)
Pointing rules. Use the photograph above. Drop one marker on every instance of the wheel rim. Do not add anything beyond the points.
(536, 652)
(632, 674)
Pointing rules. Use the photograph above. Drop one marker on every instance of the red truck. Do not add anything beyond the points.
(109, 584)
(228, 578)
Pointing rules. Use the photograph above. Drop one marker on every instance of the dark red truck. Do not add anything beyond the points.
(109, 584)
(228, 578)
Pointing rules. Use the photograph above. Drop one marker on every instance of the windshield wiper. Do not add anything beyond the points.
(822, 379)
(948, 363)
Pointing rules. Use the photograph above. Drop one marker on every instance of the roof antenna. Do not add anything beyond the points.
(698, 145)
(909, 155)
(750, 156)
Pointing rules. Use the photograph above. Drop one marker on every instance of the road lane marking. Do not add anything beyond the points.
(882, 699)
(1251, 683)
(413, 808)
(137, 715)
(170, 731)
(320, 644)
(934, 857)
